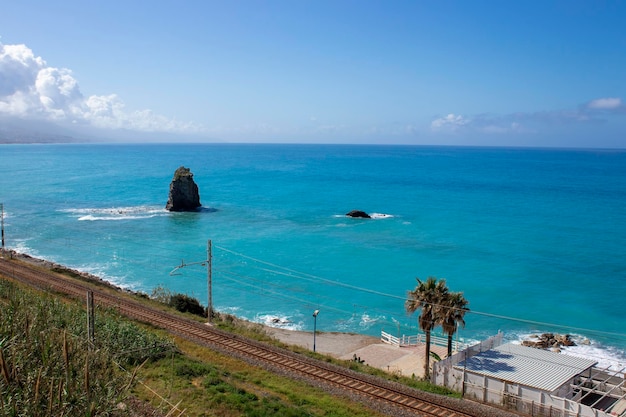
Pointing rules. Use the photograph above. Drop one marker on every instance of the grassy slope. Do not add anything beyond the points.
(205, 383)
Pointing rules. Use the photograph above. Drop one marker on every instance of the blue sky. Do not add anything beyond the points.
(497, 73)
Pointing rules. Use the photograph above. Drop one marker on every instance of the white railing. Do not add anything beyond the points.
(418, 339)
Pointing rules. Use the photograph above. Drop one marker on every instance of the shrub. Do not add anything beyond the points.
(194, 369)
(186, 304)
(161, 294)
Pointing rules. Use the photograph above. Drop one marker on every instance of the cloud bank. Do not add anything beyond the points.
(594, 111)
(30, 89)
(609, 103)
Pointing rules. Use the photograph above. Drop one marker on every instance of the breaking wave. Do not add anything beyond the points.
(117, 213)
(608, 357)
(380, 216)
(278, 321)
(360, 323)
(375, 216)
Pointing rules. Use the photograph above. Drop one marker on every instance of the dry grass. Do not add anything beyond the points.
(207, 383)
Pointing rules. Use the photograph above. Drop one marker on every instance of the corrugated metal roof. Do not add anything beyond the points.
(527, 366)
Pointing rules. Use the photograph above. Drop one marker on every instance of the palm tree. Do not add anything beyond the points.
(427, 296)
(452, 312)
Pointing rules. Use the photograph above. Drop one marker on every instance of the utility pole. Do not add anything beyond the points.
(209, 278)
(315, 313)
(90, 319)
(2, 217)
(209, 274)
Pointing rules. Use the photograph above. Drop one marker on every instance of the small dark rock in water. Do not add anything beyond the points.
(184, 194)
(359, 214)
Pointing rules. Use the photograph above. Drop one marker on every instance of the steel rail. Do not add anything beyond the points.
(386, 393)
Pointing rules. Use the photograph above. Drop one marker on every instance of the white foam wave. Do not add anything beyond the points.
(361, 322)
(608, 357)
(95, 218)
(100, 272)
(232, 310)
(381, 216)
(372, 215)
(279, 321)
(117, 213)
(20, 246)
(368, 321)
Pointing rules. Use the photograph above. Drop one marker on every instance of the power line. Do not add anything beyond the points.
(303, 275)
(297, 274)
(276, 269)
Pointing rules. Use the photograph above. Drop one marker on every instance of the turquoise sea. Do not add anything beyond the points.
(535, 238)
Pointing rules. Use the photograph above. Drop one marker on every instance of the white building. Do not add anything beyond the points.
(533, 381)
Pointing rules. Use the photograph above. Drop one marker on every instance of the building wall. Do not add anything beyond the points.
(523, 399)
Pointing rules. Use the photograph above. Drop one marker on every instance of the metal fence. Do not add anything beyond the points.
(419, 339)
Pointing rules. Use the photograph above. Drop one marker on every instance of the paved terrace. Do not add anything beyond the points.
(406, 360)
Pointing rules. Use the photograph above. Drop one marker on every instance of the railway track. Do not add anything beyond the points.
(389, 397)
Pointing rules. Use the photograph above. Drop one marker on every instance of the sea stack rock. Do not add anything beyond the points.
(184, 194)
(359, 214)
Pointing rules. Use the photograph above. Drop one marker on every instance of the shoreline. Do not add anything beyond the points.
(369, 350)
(336, 344)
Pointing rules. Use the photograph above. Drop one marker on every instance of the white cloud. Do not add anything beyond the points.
(608, 103)
(29, 88)
(18, 69)
(58, 93)
(450, 122)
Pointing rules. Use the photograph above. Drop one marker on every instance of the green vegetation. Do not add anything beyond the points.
(182, 172)
(439, 307)
(452, 314)
(206, 383)
(256, 331)
(187, 304)
(49, 369)
(180, 302)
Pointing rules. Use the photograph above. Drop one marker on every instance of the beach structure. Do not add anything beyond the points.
(533, 381)
(419, 339)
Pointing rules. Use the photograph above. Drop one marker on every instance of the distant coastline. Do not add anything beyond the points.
(39, 141)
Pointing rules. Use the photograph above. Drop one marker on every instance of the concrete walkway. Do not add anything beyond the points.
(407, 361)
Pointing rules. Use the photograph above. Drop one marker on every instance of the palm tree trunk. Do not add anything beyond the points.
(427, 359)
(449, 344)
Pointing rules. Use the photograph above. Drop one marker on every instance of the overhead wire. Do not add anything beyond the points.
(278, 295)
(303, 275)
(272, 268)
(317, 295)
(297, 274)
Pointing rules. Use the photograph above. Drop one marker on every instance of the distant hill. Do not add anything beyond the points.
(33, 131)
(7, 137)
(17, 131)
